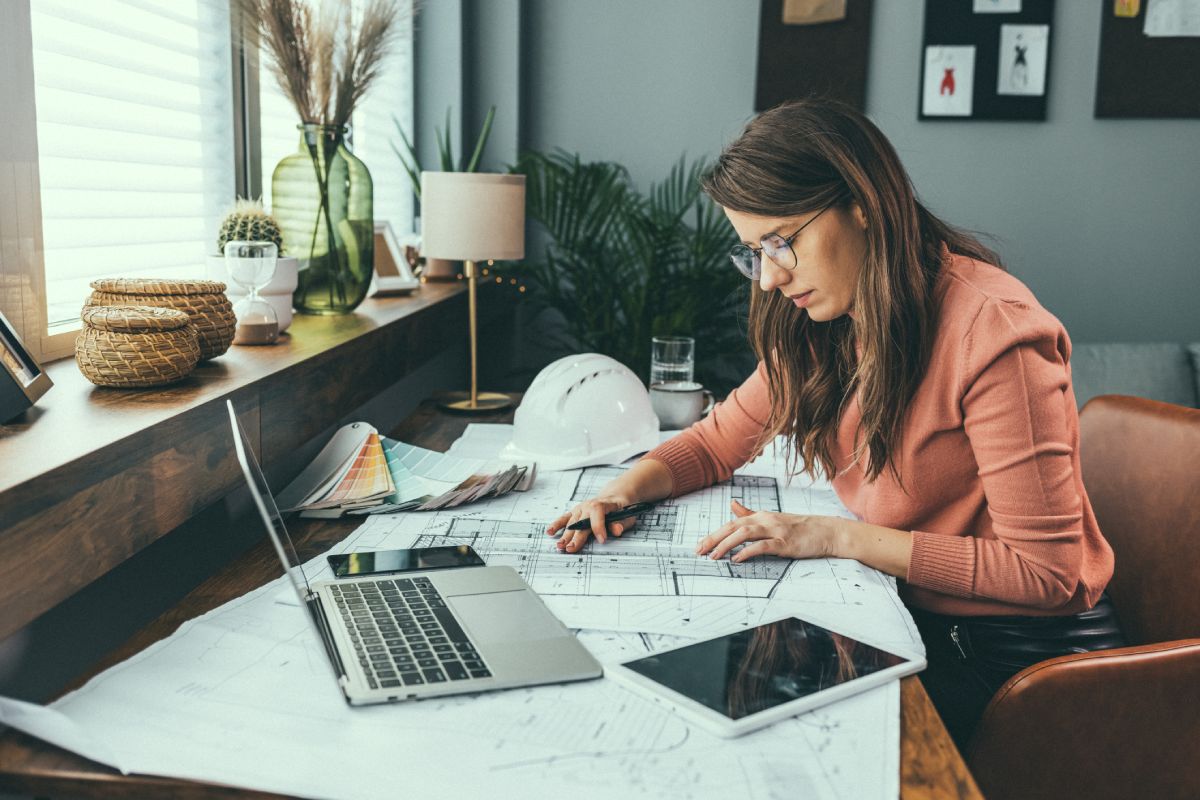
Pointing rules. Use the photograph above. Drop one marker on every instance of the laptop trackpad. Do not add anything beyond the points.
(506, 617)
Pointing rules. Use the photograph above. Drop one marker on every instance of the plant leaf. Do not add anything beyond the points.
(410, 162)
(481, 142)
(619, 267)
(444, 149)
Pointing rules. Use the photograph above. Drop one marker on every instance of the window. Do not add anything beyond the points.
(135, 139)
(132, 107)
(374, 132)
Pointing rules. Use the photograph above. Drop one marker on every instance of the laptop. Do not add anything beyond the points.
(414, 635)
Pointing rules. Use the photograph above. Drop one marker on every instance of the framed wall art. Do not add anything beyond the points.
(985, 59)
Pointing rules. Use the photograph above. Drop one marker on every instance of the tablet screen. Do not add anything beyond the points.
(757, 669)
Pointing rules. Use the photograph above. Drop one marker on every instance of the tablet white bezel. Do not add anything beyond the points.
(721, 725)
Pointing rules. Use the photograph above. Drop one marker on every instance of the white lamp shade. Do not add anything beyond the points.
(472, 216)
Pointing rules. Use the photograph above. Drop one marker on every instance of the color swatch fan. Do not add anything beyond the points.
(429, 481)
(350, 472)
(365, 482)
(359, 472)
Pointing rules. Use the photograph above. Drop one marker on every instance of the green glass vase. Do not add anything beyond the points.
(322, 198)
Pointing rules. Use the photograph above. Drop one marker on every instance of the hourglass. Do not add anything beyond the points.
(251, 265)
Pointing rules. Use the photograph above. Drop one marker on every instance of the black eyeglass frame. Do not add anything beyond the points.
(739, 251)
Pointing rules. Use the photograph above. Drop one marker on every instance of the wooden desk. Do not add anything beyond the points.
(930, 766)
(108, 472)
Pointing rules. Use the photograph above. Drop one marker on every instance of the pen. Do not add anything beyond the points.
(612, 516)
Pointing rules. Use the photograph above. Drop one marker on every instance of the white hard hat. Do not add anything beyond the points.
(580, 411)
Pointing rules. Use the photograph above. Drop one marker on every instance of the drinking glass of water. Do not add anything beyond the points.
(672, 358)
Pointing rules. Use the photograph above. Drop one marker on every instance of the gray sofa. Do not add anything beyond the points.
(1168, 372)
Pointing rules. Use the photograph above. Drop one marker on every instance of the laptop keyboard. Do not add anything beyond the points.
(404, 635)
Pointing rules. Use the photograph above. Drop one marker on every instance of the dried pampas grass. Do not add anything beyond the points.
(321, 60)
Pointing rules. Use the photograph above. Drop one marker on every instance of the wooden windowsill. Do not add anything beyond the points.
(76, 419)
(104, 472)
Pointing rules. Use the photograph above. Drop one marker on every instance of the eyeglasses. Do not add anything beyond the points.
(778, 249)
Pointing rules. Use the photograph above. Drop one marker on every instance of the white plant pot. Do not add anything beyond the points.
(278, 292)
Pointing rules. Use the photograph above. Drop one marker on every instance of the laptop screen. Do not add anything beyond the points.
(267, 509)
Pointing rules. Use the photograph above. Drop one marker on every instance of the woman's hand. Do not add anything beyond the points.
(773, 533)
(593, 510)
(645, 481)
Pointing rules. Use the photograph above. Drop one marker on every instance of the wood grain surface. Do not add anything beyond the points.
(106, 472)
(930, 765)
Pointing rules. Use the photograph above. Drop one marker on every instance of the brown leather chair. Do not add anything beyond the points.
(1119, 723)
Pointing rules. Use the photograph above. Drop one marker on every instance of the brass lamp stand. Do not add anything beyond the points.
(477, 402)
(473, 217)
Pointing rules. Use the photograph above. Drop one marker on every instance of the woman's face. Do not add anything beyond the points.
(829, 257)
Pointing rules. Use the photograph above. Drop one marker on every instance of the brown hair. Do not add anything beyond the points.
(800, 157)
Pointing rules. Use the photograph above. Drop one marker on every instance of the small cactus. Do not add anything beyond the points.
(249, 222)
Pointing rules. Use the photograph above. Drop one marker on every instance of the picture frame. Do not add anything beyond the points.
(393, 274)
(985, 60)
(22, 380)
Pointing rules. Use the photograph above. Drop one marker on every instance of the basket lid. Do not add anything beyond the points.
(134, 319)
(156, 286)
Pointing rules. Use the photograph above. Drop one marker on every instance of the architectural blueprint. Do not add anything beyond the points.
(245, 694)
(650, 579)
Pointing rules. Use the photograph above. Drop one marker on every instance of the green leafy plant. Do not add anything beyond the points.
(622, 267)
(250, 222)
(408, 157)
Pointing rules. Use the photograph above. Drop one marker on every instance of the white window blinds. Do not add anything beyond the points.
(371, 131)
(135, 139)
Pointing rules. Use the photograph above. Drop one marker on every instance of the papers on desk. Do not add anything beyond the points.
(244, 694)
(428, 481)
(53, 726)
(359, 472)
(232, 698)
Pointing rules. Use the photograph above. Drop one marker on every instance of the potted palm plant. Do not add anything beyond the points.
(620, 267)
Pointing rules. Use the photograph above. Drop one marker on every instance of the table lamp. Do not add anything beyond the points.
(473, 217)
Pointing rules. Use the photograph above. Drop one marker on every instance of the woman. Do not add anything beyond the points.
(897, 359)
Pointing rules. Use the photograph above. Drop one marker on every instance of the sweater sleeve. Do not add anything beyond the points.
(710, 450)
(1023, 428)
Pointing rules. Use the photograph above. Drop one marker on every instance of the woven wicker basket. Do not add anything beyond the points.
(132, 346)
(203, 301)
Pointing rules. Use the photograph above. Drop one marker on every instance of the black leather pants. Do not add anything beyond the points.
(971, 657)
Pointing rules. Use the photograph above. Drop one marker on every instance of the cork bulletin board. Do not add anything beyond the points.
(812, 48)
(1145, 76)
(985, 60)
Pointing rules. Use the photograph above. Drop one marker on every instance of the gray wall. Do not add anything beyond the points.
(638, 82)
(467, 59)
(1098, 217)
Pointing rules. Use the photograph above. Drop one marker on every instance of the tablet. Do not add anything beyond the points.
(737, 683)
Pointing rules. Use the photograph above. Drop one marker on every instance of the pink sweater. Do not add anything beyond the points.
(1000, 520)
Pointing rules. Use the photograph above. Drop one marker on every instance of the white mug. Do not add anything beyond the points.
(678, 404)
